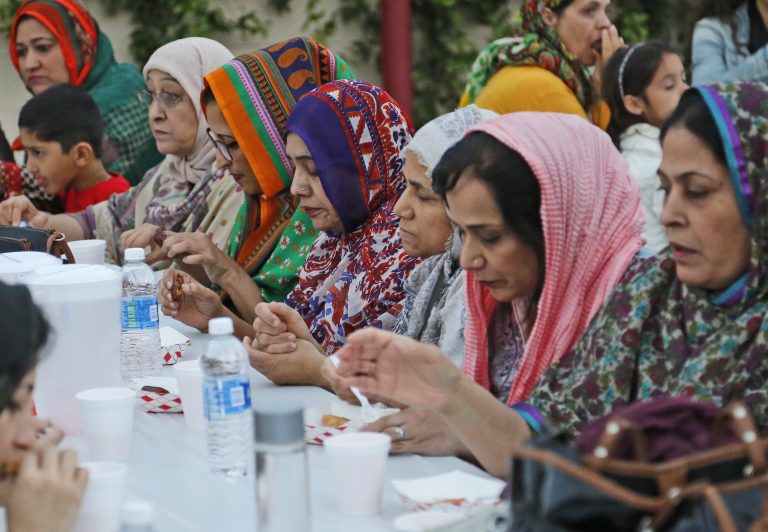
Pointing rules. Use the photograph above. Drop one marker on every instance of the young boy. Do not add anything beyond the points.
(61, 131)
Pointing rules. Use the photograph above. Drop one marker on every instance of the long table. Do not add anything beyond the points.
(168, 466)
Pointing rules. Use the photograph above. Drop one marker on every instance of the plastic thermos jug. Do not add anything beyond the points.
(82, 305)
(16, 264)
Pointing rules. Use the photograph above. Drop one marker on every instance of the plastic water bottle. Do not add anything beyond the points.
(227, 401)
(138, 516)
(140, 336)
(281, 468)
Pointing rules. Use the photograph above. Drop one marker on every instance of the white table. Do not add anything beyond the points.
(168, 465)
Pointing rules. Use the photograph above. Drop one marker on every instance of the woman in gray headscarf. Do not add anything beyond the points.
(433, 310)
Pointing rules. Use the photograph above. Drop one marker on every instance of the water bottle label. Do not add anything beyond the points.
(226, 396)
(139, 312)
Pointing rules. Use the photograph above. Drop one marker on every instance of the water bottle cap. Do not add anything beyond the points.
(280, 424)
(220, 326)
(134, 254)
(138, 513)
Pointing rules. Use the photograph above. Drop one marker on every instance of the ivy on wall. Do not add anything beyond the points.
(443, 49)
(443, 45)
(156, 22)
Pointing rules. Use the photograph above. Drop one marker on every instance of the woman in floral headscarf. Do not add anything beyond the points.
(58, 41)
(544, 65)
(690, 322)
(247, 102)
(347, 140)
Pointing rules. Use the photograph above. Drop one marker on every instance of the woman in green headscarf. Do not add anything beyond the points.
(247, 102)
(58, 41)
(544, 66)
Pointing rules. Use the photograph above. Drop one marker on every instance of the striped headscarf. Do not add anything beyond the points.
(533, 43)
(256, 92)
(356, 134)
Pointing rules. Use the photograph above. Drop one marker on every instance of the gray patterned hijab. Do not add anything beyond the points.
(433, 310)
(436, 136)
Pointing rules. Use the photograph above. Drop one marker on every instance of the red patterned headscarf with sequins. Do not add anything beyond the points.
(356, 134)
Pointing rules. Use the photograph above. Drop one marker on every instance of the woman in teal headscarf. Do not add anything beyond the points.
(58, 41)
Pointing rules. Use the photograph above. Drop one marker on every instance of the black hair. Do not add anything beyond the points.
(25, 332)
(64, 114)
(207, 96)
(562, 6)
(638, 73)
(693, 114)
(510, 178)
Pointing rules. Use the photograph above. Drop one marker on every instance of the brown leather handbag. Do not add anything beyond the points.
(555, 487)
(13, 238)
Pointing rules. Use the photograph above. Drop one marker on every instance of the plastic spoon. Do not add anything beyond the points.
(369, 413)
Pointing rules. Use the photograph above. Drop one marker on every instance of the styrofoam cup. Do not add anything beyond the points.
(88, 251)
(189, 376)
(358, 463)
(107, 416)
(102, 502)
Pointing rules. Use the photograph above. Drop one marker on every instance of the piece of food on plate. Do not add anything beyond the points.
(154, 389)
(334, 422)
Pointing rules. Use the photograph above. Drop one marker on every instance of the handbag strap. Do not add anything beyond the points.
(744, 426)
(735, 414)
(57, 246)
(615, 429)
(720, 509)
(653, 505)
(761, 525)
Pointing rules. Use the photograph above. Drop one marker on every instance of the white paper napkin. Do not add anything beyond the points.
(455, 485)
(170, 337)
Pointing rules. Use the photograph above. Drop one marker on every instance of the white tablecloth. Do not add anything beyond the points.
(168, 466)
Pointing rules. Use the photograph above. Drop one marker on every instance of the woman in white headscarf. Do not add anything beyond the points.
(185, 192)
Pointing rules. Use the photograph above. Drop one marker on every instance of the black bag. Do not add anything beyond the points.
(14, 238)
(555, 488)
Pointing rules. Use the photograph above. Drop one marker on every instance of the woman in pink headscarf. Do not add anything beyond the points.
(549, 219)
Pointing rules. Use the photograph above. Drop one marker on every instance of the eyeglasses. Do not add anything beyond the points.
(165, 100)
(222, 146)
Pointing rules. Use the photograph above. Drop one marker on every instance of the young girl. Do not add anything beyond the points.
(642, 85)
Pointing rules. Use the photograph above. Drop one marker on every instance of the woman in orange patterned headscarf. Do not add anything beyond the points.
(252, 96)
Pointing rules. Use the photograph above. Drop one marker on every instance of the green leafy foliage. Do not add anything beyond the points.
(666, 20)
(445, 32)
(156, 22)
(443, 49)
(7, 11)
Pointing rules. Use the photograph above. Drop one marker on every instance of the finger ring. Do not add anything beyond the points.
(399, 433)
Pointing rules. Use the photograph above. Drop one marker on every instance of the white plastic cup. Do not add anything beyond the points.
(358, 462)
(90, 251)
(107, 416)
(102, 502)
(189, 376)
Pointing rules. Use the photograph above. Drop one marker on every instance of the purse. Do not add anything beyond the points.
(556, 487)
(13, 238)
